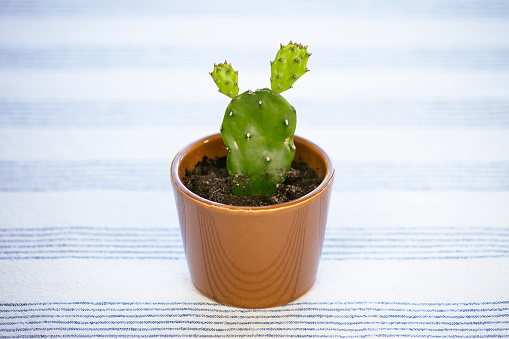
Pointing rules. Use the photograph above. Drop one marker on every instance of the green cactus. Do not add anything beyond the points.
(289, 65)
(226, 79)
(258, 126)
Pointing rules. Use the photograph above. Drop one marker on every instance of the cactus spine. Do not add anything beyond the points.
(258, 126)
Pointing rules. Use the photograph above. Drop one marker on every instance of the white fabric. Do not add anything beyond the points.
(411, 99)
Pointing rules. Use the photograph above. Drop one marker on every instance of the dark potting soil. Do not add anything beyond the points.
(209, 179)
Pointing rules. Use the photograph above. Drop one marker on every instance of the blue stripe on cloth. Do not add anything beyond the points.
(232, 332)
(377, 243)
(309, 319)
(112, 8)
(42, 114)
(433, 113)
(404, 176)
(454, 310)
(220, 322)
(259, 335)
(78, 57)
(43, 176)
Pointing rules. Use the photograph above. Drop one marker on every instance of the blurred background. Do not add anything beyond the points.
(424, 83)
(410, 98)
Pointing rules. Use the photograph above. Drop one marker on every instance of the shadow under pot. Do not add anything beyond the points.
(252, 257)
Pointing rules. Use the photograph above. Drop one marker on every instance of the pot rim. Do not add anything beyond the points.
(327, 181)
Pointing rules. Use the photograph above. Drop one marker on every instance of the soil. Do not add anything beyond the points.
(209, 179)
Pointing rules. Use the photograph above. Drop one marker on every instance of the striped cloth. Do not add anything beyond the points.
(411, 99)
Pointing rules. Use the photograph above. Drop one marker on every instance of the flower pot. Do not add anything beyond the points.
(252, 257)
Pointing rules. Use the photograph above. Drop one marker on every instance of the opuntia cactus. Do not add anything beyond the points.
(258, 126)
(226, 79)
(289, 65)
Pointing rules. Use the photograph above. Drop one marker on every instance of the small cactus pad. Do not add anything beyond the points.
(258, 129)
(226, 79)
(289, 65)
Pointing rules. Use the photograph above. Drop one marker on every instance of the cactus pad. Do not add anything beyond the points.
(226, 79)
(289, 65)
(258, 127)
(258, 130)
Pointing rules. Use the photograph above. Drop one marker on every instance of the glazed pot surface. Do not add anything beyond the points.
(252, 257)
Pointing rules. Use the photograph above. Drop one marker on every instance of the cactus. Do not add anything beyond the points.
(258, 126)
(289, 65)
(226, 79)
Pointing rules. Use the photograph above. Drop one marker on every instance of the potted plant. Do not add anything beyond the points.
(255, 256)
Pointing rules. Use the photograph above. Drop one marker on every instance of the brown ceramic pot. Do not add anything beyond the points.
(252, 257)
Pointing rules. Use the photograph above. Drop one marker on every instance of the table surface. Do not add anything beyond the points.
(410, 98)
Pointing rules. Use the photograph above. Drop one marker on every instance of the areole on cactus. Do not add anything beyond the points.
(258, 126)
